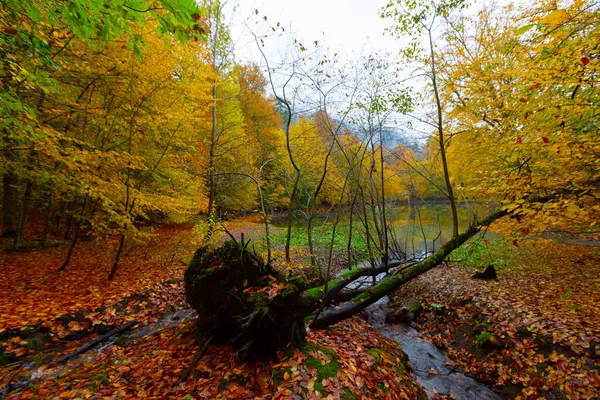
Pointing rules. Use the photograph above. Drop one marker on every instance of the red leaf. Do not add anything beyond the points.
(585, 60)
(196, 16)
(519, 140)
(545, 139)
(10, 30)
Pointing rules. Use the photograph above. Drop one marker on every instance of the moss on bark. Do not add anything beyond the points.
(243, 302)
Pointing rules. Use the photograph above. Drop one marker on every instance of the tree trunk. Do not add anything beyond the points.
(211, 161)
(113, 271)
(9, 204)
(212, 191)
(69, 225)
(9, 193)
(386, 244)
(75, 238)
(288, 147)
(225, 286)
(350, 227)
(442, 143)
(23, 214)
(288, 238)
(311, 247)
(48, 217)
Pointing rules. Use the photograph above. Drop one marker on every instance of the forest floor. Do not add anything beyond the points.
(534, 333)
(46, 314)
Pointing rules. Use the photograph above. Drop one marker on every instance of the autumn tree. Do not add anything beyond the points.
(534, 196)
(30, 83)
(419, 21)
(522, 100)
(219, 43)
(82, 132)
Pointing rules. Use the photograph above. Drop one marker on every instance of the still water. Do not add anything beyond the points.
(415, 230)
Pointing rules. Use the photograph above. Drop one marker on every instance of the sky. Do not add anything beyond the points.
(346, 27)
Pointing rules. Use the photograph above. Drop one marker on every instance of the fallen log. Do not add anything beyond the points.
(383, 288)
(245, 303)
(96, 341)
(333, 292)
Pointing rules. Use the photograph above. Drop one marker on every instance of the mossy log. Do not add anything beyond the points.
(244, 303)
(385, 287)
(248, 305)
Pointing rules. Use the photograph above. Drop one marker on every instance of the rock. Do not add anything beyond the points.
(399, 316)
(488, 274)
(405, 314)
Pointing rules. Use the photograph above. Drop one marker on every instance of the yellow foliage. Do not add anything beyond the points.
(523, 112)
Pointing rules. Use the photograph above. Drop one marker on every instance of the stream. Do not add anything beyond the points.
(432, 369)
(168, 320)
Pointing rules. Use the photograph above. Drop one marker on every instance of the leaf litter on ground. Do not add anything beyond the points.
(532, 334)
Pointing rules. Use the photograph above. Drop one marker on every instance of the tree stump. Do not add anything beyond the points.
(488, 274)
(244, 303)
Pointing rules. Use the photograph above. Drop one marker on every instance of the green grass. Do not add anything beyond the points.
(101, 378)
(482, 252)
(483, 337)
(321, 235)
(121, 340)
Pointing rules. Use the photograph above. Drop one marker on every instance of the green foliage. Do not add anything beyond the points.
(315, 292)
(415, 306)
(4, 357)
(483, 338)
(102, 20)
(37, 360)
(376, 353)
(412, 18)
(121, 340)
(567, 294)
(481, 252)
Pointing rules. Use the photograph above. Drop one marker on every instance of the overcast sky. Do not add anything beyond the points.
(346, 27)
(350, 28)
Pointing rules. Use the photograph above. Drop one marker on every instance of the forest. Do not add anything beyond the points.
(178, 221)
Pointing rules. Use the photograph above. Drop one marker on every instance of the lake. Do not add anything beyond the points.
(416, 230)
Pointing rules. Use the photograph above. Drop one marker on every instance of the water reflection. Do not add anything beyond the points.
(415, 231)
(424, 228)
